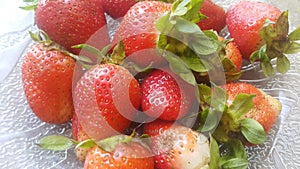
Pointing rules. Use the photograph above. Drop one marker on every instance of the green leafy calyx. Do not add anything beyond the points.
(278, 44)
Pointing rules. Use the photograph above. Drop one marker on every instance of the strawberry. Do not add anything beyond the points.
(118, 152)
(117, 8)
(165, 95)
(106, 99)
(47, 75)
(245, 112)
(215, 16)
(79, 135)
(261, 32)
(244, 21)
(137, 31)
(266, 108)
(176, 146)
(73, 22)
(232, 52)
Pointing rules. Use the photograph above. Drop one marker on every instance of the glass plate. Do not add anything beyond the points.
(20, 130)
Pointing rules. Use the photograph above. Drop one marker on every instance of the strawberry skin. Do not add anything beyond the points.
(216, 18)
(79, 135)
(72, 22)
(106, 98)
(117, 8)
(234, 54)
(177, 147)
(244, 21)
(266, 108)
(47, 82)
(126, 156)
(165, 95)
(138, 31)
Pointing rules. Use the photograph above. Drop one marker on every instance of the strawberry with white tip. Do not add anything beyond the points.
(177, 147)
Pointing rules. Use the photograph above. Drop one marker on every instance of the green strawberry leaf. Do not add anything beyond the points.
(293, 47)
(218, 99)
(179, 8)
(234, 149)
(185, 26)
(295, 35)
(55, 142)
(235, 163)
(240, 106)
(231, 72)
(179, 67)
(163, 25)
(235, 155)
(86, 144)
(204, 93)
(194, 63)
(214, 154)
(30, 5)
(109, 144)
(283, 64)
(221, 134)
(209, 120)
(282, 25)
(202, 44)
(187, 9)
(267, 32)
(252, 131)
(267, 68)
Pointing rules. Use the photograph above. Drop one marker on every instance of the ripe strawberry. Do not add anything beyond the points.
(117, 8)
(47, 81)
(215, 16)
(138, 31)
(73, 22)
(245, 19)
(266, 108)
(176, 146)
(166, 96)
(233, 53)
(106, 98)
(79, 135)
(126, 155)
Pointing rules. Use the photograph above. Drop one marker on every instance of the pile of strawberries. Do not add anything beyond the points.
(151, 97)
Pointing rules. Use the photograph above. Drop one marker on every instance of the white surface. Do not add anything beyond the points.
(12, 19)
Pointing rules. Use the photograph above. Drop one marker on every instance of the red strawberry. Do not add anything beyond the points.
(266, 108)
(138, 31)
(79, 135)
(47, 80)
(73, 22)
(216, 18)
(166, 96)
(125, 155)
(233, 53)
(245, 19)
(106, 99)
(117, 8)
(177, 146)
